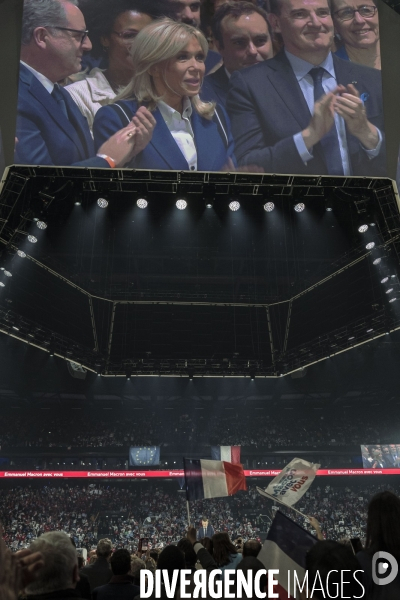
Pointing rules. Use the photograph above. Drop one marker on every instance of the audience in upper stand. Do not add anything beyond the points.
(243, 37)
(113, 26)
(42, 429)
(189, 134)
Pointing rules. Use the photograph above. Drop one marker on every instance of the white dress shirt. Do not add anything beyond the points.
(181, 129)
(45, 81)
(301, 69)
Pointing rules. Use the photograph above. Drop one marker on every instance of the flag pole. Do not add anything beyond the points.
(280, 502)
(188, 516)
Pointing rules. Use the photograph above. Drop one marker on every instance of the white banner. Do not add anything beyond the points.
(292, 482)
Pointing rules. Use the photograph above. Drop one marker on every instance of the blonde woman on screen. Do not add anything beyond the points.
(169, 60)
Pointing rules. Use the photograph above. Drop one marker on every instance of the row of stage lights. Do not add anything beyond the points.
(181, 204)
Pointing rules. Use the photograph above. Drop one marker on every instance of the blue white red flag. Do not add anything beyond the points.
(212, 478)
(285, 550)
(228, 453)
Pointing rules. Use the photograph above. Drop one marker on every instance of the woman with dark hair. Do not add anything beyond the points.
(383, 535)
(112, 28)
(225, 554)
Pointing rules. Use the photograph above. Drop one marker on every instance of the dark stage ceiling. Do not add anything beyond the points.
(203, 291)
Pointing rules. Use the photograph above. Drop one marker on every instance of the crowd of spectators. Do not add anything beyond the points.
(158, 512)
(287, 428)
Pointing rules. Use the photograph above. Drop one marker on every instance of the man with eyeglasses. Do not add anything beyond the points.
(306, 111)
(50, 127)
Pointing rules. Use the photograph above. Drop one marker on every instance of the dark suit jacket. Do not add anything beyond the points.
(215, 87)
(45, 135)
(99, 573)
(267, 107)
(120, 587)
(162, 152)
(209, 532)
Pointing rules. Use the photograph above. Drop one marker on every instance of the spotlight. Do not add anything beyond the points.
(392, 300)
(389, 291)
(7, 274)
(329, 206)
(181, 204)
(128, 373)
(32, 239)
(78, 203)
(190, 374)
(370, 245)
(142, 202)
(351, 337)
(2, 284)
(102, 202)
(41, 225)
(51, 349)
(234, 205)
(269, 206)
(363, 228)
(21, 253)
(299, 207)
(209, 203)
(376, 261)
(370, 330)
(252, 375)
(385, 279)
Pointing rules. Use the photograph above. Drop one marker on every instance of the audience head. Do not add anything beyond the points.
(60, 571)
(169, 65)
(104, 548)
(187, 11)
(47, 44)
(204, 521)
(359, 30)
(306, 27)
(114, 25)
(242, 35)
(251, 548)
(222, 548)
(332, 557)
(383, 524)
(120, 562)
(171, 558)
(154, 555)
(190, 554)
(136, 566)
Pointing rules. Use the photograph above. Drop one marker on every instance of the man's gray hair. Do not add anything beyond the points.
(43, 13)
(59, 557)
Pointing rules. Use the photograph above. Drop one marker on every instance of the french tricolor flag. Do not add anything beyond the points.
(285, 549)
(212, 478)
(228, 453)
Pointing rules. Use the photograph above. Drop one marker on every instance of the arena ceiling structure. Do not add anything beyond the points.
(105, 268)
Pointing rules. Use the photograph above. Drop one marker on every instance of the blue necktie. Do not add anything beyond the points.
(330, 141)
(59, 98)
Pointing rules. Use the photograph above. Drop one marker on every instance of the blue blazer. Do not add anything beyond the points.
(162, 152)
(45, 135)
(267, 107)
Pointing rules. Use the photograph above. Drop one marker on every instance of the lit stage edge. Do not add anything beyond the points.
(173, 474)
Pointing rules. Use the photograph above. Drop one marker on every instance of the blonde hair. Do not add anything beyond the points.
(157, 44)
